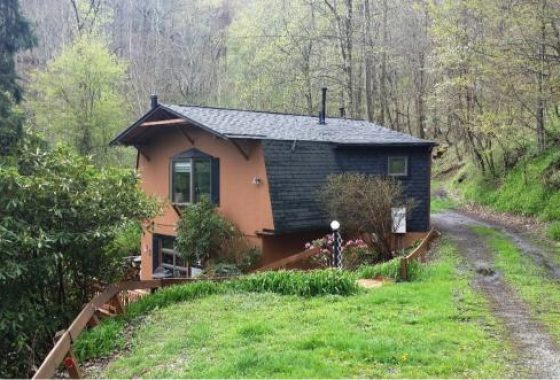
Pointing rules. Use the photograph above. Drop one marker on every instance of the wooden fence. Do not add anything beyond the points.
(416, 254)
(111, 300)
(292, 259)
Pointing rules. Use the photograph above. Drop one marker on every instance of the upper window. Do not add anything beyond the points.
(193, 175)
(398, 166)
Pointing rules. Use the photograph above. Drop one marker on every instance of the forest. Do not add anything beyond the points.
(481, 78)
(478, 76)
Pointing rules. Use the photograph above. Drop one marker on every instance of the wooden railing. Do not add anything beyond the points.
(417, 253)
(107, 302)
(292, 259)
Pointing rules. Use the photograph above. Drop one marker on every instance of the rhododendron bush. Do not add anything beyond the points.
(354, 252)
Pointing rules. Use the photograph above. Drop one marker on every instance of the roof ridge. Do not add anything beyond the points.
(267, 112)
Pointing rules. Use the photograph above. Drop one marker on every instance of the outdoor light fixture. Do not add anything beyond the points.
(256, 180)
(335, 225)
(337, 245)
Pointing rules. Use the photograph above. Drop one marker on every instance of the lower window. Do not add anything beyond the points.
(167, 262)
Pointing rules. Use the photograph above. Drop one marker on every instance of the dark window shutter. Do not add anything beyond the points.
(216, 181)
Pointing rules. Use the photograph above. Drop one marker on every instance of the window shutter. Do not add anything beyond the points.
(216, 181)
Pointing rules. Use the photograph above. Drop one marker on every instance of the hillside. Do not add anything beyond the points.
(531, 188)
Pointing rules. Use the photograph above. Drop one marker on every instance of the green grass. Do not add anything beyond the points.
(103, 340)
(433, 327)
(390, 269)
(528, 279)
(439, 204)
(553, 231)
(522, 191)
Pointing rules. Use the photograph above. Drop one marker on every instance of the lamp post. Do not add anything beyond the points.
(337, 244)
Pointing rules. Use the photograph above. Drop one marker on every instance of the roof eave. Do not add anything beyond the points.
(426, 143)
(119, 139)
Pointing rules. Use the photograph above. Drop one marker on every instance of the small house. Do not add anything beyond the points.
(263, 171)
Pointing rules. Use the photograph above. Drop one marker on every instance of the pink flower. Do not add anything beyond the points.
(307, 245)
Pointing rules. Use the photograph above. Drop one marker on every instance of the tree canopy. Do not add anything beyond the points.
(78, 98)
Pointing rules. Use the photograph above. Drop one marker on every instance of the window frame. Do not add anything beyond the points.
(192, 197)
(400, 174)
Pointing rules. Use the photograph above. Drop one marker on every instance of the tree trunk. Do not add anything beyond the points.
(368, 65)
(541, 143)
(383, 79)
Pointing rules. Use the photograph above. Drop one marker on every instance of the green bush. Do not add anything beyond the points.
(202, 232)
(553, 231)
(205, 236)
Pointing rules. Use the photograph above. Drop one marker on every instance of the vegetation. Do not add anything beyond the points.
(530, 280)
(58, 215)
(390, 269)
(104, 339)
(435, 327)
(15, 35)
(362, 204)
(441, 203)
(528, 189)
(78, 99)
(206, 237)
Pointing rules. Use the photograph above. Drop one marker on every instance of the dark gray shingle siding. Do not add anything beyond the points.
(295, 177)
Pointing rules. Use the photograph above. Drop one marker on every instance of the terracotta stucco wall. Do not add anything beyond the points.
(245, 204)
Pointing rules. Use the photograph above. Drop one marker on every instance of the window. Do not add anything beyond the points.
(194, 174)
(166, 261)
(398, 166)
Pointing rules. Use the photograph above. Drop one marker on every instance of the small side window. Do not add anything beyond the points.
(398, 166)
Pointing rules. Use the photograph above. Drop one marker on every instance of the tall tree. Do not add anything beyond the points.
(15, 35)
(79, 97)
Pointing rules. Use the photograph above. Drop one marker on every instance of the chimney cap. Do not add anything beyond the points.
(154, 100)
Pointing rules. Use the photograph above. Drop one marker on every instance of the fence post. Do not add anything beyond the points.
(404, 269)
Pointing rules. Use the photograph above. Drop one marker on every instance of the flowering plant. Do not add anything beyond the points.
(354, 252)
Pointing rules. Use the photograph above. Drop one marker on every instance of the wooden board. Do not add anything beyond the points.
(157, 123)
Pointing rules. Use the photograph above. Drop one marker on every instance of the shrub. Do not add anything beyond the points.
(205, 236)
(58, 214)
(363, 206)
(201, 232)
(354, 252)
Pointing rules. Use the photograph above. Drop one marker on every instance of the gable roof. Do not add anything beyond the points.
(243, 124)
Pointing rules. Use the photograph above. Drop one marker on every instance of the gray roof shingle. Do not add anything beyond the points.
(233, 123)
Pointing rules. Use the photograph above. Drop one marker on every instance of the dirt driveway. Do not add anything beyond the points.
(538, 355)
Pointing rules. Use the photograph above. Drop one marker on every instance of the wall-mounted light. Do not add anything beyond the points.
(256, 181)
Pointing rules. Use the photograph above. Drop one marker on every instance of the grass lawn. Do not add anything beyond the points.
(541, 293)
(434, 327)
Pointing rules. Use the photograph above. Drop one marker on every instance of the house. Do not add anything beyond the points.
(263, 171)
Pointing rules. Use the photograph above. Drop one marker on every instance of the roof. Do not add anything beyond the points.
(244, 124)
